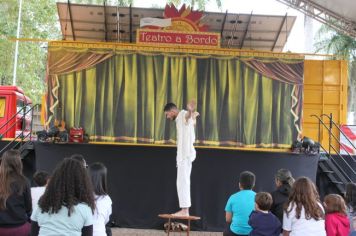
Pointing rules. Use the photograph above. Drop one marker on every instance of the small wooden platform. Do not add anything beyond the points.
(171, 217)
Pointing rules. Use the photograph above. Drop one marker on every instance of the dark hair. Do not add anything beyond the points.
(264, 201)
(169, 106)
(350, 196)
(10, 171)
(97, 172)
(41, 178)
(304, 195)
(247, 180)
(80, 158)
(69, 186)
(335, 203)
(285, 177)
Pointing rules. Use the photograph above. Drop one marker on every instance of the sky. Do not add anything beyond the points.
(296, 40)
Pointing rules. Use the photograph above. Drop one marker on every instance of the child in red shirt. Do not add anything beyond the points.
(336, 221)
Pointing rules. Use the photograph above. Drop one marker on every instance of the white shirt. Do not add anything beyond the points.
(36, 193)
(303, 226)
(185, 138)
(103, 210)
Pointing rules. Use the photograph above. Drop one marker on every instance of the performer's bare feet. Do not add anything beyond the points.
(182, 212)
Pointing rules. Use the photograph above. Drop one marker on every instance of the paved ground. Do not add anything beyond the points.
(144, 232)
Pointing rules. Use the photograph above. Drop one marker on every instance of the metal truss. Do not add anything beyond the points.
(326, 16)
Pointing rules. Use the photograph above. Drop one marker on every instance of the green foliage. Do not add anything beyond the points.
(343, 46)
(38, 21)
(330, 41)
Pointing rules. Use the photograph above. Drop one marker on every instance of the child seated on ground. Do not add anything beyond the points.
(284, 181)
(350, 198)
(67, 206)
(263, 222)
(303, 213)
(336, 220)
(103, 208)
(240, 205)
(40, 178)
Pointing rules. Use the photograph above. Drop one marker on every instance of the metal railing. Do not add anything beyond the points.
(21, 138)
(336, 158)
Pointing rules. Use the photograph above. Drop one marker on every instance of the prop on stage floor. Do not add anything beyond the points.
(306, 145)
(76, 135)
(176, 226)
(58, 134)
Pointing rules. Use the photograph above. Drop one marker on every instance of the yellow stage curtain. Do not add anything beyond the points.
(121, 98)
(61, 61)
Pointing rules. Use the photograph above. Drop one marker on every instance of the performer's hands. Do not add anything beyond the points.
(191, 111)
(191, 106)
(195, 115)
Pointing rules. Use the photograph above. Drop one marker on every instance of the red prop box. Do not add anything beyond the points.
(76, 135)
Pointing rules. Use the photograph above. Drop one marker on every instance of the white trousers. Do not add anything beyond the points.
(184, 169)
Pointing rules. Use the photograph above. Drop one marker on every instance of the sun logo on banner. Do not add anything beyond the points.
(184, 19)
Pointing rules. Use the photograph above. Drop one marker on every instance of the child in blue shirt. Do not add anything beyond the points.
(240, 205)
(262, 221)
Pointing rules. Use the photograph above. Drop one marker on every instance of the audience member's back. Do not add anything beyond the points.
(350, 199)
(15, 196)
(336, 220)
(284, 182)
(263, 222)
(103, 209)
(240, 205)
(40, 178)
(67, 206)
(303, 214)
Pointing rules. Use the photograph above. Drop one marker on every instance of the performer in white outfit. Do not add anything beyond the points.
(185, 122)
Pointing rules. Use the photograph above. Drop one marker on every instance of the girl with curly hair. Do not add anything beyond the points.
(67, 206)
(15, 196)
(303, 213)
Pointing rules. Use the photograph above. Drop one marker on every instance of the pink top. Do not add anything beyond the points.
(337, 224)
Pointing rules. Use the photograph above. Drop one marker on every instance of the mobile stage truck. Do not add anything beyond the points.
(13, 117)
(252, 104)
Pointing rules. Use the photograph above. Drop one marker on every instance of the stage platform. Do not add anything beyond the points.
(142, 178)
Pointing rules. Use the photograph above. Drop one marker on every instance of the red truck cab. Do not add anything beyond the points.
(12, 100)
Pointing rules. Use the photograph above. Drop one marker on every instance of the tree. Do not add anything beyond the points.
(38, 21)
(330, 41)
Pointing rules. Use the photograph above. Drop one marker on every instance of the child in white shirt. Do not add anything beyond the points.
(304, 214)
(103, 208)
(41, 179)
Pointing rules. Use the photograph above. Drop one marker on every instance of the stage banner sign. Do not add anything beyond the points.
(178, 38)
(345, 145)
